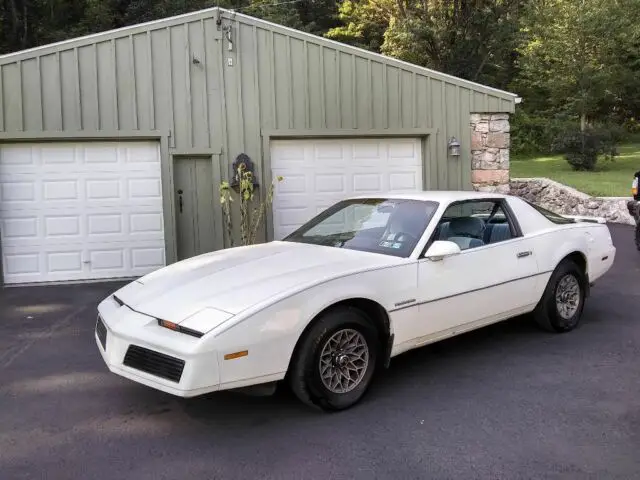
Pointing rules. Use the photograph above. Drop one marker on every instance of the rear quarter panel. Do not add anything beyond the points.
(553, 242)
(601, 251)
(592, 241)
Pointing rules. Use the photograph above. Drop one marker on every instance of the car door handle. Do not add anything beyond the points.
(180, 199)
(523, 254)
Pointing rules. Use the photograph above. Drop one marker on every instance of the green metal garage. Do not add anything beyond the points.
(113, 146)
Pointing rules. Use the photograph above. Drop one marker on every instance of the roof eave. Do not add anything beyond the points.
(247, 19)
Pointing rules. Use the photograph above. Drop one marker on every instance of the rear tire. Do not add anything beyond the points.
(336, 360)
(561, 305)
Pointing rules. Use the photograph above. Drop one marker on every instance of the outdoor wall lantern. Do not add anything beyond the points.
(243, 159)
(454, 147)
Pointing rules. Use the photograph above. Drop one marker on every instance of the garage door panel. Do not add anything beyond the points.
(29, 264)
(97, 225)
(21, 263)
(296, 184)
(149, 257)
(364, 151)
(80, 211)
(63, 192)
(368, 182)
(16, 191)
(403, 150)
(404, 181)
(329, 183)
(320, 172)
(61, 262)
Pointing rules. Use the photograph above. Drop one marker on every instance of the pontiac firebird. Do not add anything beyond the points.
(365, 280)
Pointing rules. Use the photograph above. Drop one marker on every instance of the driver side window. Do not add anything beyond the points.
(474, 223)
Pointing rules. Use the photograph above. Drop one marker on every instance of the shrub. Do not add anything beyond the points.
(632, 126)
(531, 134)
(610, 136)
(249, 220)
(581, 149)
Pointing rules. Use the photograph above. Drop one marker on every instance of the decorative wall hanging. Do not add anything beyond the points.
(243, 160)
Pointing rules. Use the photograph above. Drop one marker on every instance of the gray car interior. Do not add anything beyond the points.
(471, 232)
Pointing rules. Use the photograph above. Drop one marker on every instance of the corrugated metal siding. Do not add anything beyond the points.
(144, 79)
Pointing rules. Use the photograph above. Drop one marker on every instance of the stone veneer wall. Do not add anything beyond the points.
(490, 141)
(565, 200)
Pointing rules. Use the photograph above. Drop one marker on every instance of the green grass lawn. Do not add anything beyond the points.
(612, 179)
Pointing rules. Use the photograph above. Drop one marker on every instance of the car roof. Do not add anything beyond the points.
(442, 196)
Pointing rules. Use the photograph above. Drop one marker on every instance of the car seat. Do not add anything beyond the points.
(467, 232)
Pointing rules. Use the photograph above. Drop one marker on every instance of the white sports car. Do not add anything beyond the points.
(367, 279)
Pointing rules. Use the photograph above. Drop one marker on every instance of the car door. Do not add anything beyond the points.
(493, 277)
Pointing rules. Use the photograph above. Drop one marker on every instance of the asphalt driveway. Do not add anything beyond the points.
(505, 402)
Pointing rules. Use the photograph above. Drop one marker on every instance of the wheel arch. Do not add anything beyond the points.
(372, 309)
(580, 259)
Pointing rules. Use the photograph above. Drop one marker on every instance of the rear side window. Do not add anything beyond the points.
(551, 216)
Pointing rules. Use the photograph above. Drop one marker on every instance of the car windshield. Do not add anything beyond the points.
(388, 226)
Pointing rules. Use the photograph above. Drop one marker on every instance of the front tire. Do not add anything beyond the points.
(561, 305)
(336, 360)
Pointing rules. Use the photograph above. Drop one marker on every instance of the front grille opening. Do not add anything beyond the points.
(101, 331)
(154, 363)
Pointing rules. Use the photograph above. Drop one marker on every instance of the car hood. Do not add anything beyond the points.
(229, 281)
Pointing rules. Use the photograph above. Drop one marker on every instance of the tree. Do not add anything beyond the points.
(573, 61)
(472, 39)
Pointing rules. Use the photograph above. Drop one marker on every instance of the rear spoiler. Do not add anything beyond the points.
(586, 219)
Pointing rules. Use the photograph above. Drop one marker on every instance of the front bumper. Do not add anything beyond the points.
(137, 348)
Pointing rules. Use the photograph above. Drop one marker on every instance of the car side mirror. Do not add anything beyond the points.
(441, 249)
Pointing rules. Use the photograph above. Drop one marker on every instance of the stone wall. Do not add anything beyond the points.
(565, 200)
(490, 141)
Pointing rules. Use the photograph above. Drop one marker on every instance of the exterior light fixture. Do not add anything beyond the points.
(454, 147)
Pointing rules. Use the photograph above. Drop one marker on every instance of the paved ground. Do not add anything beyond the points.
(507, 402)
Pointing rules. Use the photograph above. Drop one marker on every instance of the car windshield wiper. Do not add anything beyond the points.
(336, 240)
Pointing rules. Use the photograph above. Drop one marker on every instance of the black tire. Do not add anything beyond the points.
(547, 313)
(304, 375)
(637, 236)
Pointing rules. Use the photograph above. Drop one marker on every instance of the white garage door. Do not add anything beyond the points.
(80, 211)
(318, 173)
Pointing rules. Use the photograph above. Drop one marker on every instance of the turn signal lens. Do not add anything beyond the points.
(231, 356)
(178, 328)
(168, 324)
